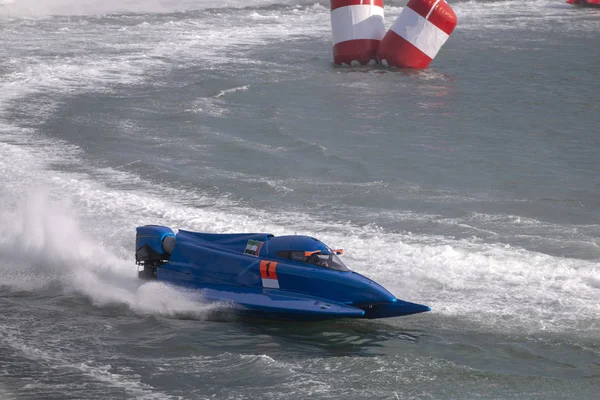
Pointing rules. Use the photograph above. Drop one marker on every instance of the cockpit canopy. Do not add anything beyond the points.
(330, 260)
(303, 249)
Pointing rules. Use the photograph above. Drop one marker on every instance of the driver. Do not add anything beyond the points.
(315, 259)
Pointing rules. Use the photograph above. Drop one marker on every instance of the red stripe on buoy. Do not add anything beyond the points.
(438, 12)
(361, 50)
(344, 3)
(421, 7)
(443, 17)
(401, 53)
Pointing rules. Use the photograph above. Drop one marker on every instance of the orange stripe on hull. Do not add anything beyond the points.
(267, 270)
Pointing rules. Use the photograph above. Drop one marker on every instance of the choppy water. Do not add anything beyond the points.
(471, 186)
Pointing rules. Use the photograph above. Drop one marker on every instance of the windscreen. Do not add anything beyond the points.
(330, 261)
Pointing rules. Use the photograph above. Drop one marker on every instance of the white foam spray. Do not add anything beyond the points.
(94, 7)
(43, 244)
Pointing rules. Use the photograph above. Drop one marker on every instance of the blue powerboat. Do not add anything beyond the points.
(258, 274)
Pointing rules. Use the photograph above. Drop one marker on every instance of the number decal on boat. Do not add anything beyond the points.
(268, 274)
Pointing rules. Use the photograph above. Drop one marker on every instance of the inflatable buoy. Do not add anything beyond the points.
(417, 35)
(357, 28)
(590, 3)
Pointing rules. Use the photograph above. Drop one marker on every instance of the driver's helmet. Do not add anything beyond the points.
(316, 259)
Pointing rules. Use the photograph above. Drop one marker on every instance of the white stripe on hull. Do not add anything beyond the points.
(270, 283)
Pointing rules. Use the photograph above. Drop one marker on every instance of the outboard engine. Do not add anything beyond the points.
(153, 247)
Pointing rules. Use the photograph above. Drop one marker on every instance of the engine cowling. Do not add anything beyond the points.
(153, 244)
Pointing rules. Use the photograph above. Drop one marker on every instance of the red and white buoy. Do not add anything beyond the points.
(589, 3)
(417, 35)
(357, 28)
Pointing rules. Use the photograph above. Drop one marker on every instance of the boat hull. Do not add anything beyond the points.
(255, 274)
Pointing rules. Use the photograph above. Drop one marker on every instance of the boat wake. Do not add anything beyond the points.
(45, 248)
